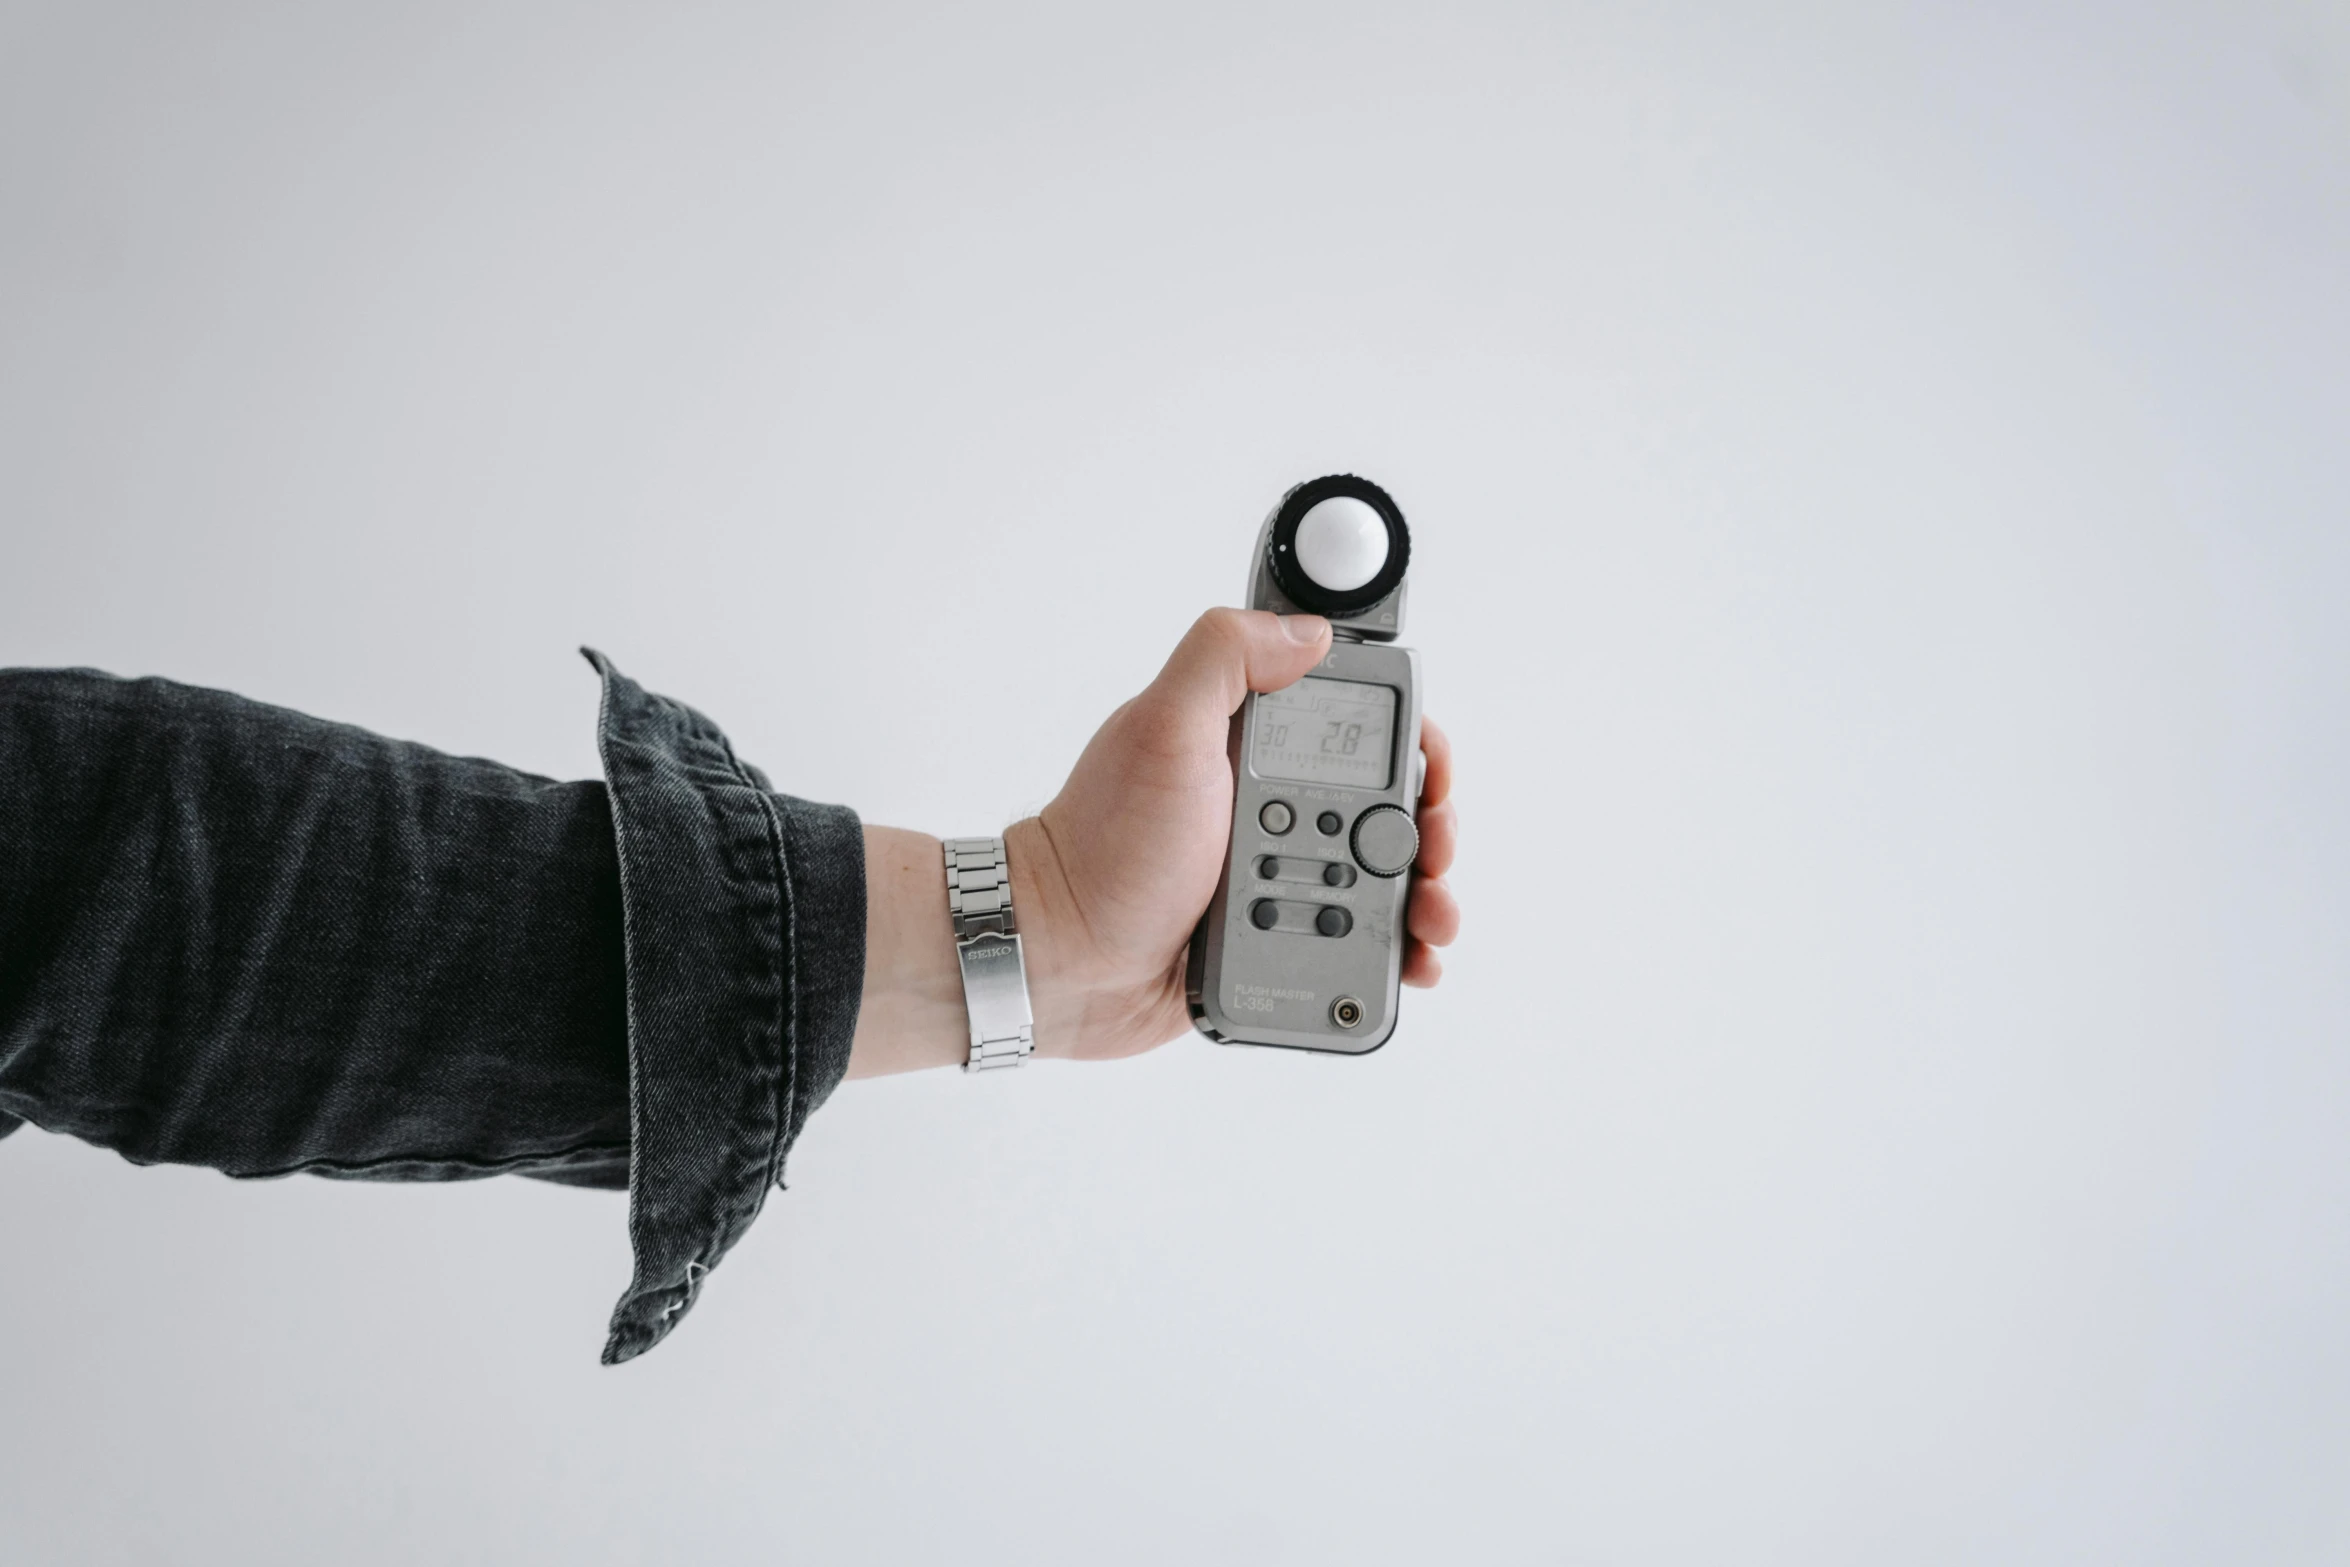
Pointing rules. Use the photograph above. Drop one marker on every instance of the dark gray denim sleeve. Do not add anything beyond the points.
(235, 936)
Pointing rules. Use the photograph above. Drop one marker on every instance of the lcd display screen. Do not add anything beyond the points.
(1326, 732)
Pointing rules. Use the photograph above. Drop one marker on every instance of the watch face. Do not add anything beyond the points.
(1335, 732)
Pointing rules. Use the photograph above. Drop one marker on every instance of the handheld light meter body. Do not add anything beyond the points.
(1303, 943)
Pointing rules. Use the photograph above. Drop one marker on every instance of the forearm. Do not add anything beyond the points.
(911, 1012)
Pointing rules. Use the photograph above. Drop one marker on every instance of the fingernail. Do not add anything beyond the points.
(1304, 630)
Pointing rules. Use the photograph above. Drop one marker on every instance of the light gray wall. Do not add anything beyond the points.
(1884, 533)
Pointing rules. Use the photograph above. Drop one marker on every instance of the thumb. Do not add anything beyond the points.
(1231, 652)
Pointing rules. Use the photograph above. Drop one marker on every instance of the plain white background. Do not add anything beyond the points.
(1883, 538)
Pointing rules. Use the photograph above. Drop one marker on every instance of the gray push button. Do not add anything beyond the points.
(1385, 841)
(1300, 917)
(1276, 818)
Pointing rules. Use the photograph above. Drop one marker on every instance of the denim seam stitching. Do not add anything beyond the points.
(787, 1000)
(623, 1321)
(438, 1161)
(746, 1206)
(303, 1166)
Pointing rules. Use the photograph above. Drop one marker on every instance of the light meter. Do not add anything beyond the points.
(1303, 945)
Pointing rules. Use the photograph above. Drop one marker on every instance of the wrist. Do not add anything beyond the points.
(1090, 1002)
(913, 1013)
(1049, 923)
(910, 1014)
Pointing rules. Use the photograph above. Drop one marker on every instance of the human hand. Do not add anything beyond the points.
(1117, 870)
(1110, 879)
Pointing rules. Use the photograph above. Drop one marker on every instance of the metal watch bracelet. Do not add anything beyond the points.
(987, 945)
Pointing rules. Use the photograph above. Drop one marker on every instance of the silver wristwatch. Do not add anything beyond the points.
(987, 944)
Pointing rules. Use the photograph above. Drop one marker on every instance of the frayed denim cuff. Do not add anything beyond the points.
(744, 923)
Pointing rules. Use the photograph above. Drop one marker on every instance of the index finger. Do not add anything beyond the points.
(1438, 750)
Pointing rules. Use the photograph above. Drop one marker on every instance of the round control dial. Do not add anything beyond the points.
(1385, 842)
